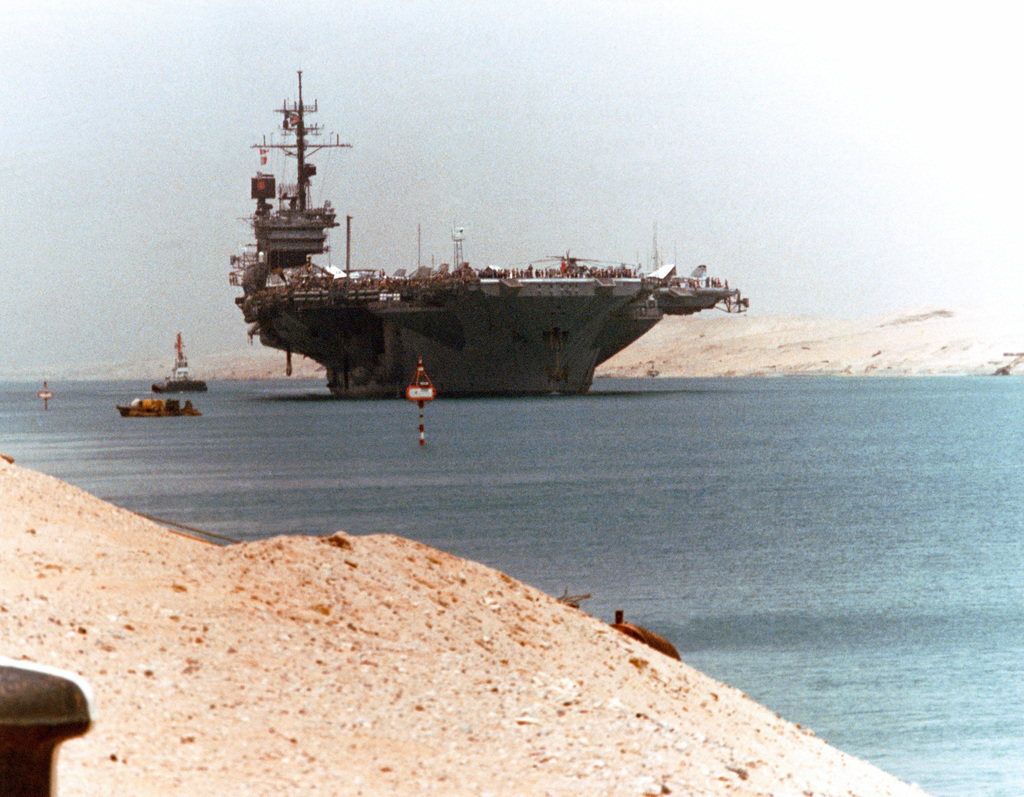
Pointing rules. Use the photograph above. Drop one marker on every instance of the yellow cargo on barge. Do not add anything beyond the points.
(157, 408)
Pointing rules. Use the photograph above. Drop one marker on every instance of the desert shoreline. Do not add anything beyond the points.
(925, 341)
(362, 665)
(929, 341)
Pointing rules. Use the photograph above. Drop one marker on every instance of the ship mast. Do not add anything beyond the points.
(294, 120)
(300, 142)
(656, 264)
(288, 237)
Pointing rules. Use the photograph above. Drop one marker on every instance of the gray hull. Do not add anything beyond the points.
(486, 337)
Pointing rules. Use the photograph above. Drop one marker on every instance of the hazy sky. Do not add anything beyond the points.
(836, 159)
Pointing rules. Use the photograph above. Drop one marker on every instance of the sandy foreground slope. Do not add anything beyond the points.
(362, 665)
(916, 342)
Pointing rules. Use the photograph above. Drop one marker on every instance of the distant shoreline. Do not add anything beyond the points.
(915, 342)
(921, 342)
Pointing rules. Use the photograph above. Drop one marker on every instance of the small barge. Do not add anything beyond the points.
(157, 408)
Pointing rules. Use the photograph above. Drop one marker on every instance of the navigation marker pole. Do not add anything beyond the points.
(421, 391)
(45, 394)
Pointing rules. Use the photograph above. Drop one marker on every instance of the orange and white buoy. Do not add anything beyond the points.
(421, 391)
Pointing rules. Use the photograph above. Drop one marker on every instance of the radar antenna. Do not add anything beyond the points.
(458, 236)
(294, 121)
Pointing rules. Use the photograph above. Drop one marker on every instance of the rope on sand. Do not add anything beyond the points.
(172, 526)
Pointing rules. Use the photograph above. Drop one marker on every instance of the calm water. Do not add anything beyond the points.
(848, 552)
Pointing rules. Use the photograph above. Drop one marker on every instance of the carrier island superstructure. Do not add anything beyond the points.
(538, 329)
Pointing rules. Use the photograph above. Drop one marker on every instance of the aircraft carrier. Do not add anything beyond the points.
(538, 329)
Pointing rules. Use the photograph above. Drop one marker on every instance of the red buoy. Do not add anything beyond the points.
(421, 390)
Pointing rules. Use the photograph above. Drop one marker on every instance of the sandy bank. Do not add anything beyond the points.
(250, 362)
(362, 665)
(926, 341)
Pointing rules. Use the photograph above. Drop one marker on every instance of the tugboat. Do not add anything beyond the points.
(157, 408)
(179, 381)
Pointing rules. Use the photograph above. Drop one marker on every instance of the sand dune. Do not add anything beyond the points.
(362, 665)
(250, 362)
(919, 342)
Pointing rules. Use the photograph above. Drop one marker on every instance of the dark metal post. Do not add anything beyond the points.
(40, 707)
(348, 245)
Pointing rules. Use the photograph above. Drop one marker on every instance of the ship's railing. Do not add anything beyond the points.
(566, 271)
(293, 217)
(694, 283)
(313, 284)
